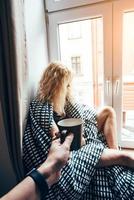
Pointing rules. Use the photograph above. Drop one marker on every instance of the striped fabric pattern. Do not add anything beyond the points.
(80, 178)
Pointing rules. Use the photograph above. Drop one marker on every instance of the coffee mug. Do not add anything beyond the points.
(72, 125)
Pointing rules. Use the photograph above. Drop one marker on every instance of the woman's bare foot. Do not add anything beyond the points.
(111, 157)
(127, 159)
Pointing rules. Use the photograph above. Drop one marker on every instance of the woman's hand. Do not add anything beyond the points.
(54, 130)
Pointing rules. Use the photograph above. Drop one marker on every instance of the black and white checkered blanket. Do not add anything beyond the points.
(80, 179)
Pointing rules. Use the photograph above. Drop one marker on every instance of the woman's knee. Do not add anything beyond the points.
(109, 111)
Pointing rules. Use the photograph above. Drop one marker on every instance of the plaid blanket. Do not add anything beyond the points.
(80, 179)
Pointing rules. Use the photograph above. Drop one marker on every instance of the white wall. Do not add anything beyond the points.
(36, 43)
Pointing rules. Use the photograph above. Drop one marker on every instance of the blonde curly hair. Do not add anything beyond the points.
(55, 82)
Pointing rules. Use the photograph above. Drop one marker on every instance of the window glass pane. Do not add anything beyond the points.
(74, 30)
(81, 47)
(128, 77)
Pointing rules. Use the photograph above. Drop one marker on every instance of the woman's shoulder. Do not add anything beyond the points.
(37, 102)
(37, 105)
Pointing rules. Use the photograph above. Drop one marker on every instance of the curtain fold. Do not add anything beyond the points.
(12, 64)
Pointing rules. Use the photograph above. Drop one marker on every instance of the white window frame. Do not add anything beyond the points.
(56, 5)
(81, 13)
(112, 17)
(118, 8)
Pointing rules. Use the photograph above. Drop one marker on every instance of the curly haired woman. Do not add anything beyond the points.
(98, 170)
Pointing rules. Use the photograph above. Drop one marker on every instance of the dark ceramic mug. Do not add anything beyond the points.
(75, 126)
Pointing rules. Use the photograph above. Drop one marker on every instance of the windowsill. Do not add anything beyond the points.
(127, 149)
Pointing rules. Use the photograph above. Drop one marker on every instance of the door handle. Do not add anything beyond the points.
(108, 82)
(116, 88)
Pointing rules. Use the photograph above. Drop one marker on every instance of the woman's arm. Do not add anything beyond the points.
(57, 158)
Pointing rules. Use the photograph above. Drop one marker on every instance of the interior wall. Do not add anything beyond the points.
(36, 61)
(36, 45)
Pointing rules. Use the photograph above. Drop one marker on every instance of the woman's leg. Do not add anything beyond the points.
(106, 120)
(112, 157)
